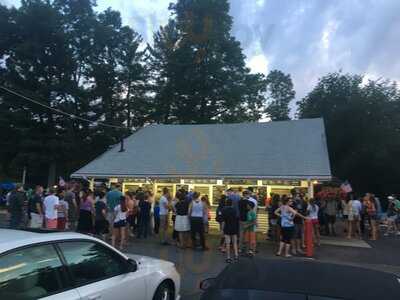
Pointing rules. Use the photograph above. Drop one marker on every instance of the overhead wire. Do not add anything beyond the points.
(72, 116)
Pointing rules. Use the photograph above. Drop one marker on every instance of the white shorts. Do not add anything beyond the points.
(182, 223)
(36, 221)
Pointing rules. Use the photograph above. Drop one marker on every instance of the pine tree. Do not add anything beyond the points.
(199, 68)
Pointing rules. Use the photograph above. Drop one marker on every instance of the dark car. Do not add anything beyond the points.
(277, 279)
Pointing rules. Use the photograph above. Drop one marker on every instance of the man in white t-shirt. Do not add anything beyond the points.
(51, 203)
(164, 210)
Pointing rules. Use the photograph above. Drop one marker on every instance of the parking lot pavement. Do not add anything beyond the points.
(195, 266)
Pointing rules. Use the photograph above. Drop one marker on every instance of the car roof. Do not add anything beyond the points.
(309, 277)
(11, 239)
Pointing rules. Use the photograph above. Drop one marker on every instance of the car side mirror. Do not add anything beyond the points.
(207, 283)
(132, 265)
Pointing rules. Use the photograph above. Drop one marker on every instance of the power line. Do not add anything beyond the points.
(59, 111)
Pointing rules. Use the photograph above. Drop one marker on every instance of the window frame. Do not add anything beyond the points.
(114, 254)
(67, 282)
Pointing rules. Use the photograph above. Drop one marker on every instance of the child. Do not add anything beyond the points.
(62, 214)
(250, 229)
(231, 229)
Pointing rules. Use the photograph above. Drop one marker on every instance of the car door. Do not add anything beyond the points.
(34, 272)
(99, 273)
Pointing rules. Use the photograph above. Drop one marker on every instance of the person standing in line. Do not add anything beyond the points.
(243, 209)
(207, 216)
(287, 214)
(252, 199)
(101, 226)
(369, 203)
(144, 219)
(182, 223)
(219, 219)
(175, 234)
(51, 206)
(69, 197)
(273, 219)
(119, 230)
(113, 198)
(16, 202)
(164, 213)
(35, 205)
(250, 229)
(130, 202)
(156, 217)
(331, 212)
(299, 205)
(312, 212)
(231, 230)
(62, 212)
(346, 209)
(86, 213)
(197, 210)
(357, 210)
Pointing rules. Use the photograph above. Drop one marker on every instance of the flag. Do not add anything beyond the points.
(61, 182)
(346, 187)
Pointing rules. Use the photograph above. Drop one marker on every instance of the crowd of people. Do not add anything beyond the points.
(112, 215)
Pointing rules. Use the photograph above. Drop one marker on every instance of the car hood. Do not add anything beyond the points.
(146, 261)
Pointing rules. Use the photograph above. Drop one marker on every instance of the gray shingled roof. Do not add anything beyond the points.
(286, 149)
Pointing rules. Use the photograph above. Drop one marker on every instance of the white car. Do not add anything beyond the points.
(72, 266)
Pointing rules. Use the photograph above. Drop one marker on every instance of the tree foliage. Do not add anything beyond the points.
(363, 129)
(280, 93)
(66, 56)
(200, 70)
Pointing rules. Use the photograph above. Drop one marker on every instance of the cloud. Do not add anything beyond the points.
(306, 38)
(309, 38)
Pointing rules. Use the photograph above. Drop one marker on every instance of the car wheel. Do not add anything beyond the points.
(164, 292)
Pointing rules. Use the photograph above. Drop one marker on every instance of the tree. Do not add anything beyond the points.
(362, 126)
(199, 68)
(280, 93)
(65, 55)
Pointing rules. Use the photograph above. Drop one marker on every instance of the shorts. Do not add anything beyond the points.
(250, 237)
(287, 234)
(298, 231)
(345, 217)
(164, 222)
(36, 221)
(314, 221)
(51, 223)
(61, 222)
(331, 219)
(120, 224)
(354, 217)
(373, 217)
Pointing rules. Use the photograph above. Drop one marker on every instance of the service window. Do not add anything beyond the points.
(31, 273)
(90, 262)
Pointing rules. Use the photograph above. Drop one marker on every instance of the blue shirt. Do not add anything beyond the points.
(235, 202)
(113, 197)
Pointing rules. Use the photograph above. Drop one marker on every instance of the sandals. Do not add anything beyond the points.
(228, 260)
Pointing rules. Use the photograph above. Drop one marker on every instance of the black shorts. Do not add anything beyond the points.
(287, 234)
(298, 231)
(331, 219)
(120, 224)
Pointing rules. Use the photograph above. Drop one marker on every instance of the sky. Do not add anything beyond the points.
(306, 38)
